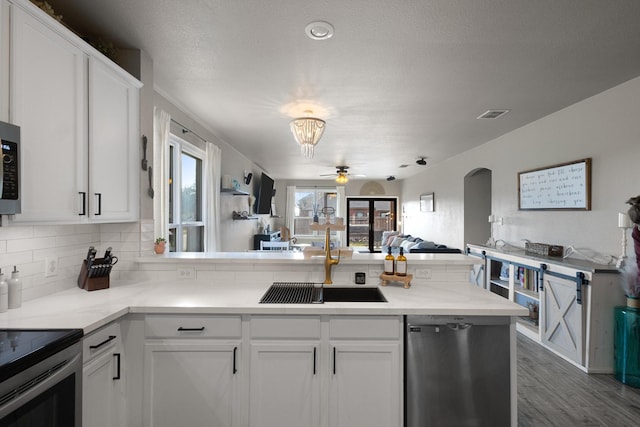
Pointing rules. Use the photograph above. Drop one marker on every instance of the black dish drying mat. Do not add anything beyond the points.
(292, 293)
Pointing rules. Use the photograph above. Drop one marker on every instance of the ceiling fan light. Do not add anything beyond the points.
(342, 178)
(307, 131)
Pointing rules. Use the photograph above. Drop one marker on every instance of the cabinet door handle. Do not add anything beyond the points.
(235, 351)
(108, 340)
(84, 203)
(99, 197)
(314, 360)
(117, 357)
(334, 360)
(200, 329)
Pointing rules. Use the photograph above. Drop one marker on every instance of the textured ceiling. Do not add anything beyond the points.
(398, 80)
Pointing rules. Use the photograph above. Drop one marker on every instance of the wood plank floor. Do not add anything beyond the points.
(552, 392)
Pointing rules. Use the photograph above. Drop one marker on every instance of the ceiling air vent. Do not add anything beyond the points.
(492, 114)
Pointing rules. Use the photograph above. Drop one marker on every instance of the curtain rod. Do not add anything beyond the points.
(187, 130)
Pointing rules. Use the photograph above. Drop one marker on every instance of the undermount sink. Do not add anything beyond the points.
(316, 293)
(338, 294)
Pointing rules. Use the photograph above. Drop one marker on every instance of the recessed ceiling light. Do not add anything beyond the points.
(319, 30)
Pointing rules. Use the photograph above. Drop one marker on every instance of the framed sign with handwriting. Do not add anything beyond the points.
(565, 186)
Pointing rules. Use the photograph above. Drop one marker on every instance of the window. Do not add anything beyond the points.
(310, 201)
(186, 214)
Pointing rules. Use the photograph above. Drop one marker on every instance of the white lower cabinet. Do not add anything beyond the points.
(365, 385)
(284, 371)
(284, 385)
(103, 379)
(326, 371)
(190, 384)
(272, 371)
(365, 379)
(192, 376)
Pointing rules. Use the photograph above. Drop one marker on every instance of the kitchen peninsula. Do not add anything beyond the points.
(205, 339)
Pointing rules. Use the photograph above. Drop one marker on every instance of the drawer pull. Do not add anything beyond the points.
(107, 341)
(200, 329)
(117, 357)
(235, 351)
(314, 360)
(334, 360)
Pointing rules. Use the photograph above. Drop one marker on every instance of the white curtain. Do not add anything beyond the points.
(290, 208)
(161, 130)
(212, 241)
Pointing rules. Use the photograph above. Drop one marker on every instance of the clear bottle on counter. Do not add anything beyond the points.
(401, 264)
(15, 289)
(388, 262)
(4, 293)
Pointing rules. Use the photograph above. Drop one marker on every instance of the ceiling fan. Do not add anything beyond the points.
(341, 174)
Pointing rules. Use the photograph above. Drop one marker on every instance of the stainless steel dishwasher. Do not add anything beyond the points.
(457, 371)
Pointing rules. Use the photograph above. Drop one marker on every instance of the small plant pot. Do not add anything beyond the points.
(159, 248)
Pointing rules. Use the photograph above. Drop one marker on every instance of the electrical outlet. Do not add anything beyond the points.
(423, 273)
(50, 267)
(374, 274)
(187, 273)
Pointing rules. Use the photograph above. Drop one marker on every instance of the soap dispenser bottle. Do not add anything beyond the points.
(15, 289)
(4, 293)
(388, 262)
(401, 263)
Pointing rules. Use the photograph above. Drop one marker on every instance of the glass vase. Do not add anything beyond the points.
(627, 343)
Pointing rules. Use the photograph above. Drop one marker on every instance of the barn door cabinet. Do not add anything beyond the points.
(79, 118)
(570, 301)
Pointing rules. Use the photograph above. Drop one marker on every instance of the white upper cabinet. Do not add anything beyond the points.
(48, 77)
(113, 152)
(79, 117)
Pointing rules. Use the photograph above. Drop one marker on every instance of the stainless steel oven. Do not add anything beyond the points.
(40, 378)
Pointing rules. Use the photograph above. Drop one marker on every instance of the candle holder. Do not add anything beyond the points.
(624, 223)
(493, 220)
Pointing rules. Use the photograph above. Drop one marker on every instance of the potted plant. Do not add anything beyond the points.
(160, 245)
(626, 351)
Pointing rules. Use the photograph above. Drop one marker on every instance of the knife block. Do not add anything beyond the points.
(98, 280)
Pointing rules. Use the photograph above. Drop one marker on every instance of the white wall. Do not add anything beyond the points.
(605, 127)
(236, 235)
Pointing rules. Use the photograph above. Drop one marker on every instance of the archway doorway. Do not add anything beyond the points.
(477, 206)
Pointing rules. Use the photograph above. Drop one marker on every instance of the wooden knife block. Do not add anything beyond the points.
(92, 283)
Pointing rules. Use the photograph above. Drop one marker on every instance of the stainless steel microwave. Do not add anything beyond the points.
(10, 169)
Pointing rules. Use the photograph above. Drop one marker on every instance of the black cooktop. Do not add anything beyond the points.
(22, 348)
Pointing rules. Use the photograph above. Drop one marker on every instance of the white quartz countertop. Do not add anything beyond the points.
(77, 308)
(275, 257)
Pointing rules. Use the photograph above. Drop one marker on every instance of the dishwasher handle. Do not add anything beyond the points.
(458, 326)
(452, 326)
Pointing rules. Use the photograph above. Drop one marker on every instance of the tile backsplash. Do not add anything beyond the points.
(29, 247)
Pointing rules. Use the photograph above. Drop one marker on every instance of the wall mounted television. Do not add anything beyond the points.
(265, 192)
